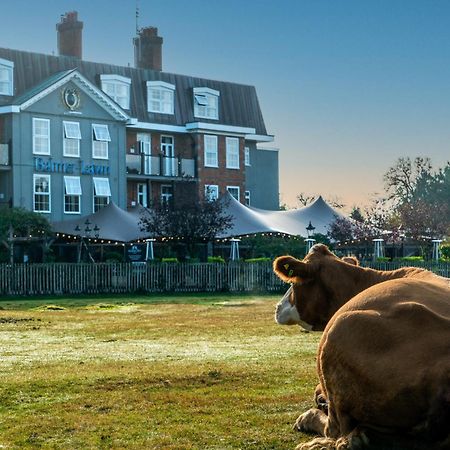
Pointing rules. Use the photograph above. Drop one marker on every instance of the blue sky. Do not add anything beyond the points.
(346, 86)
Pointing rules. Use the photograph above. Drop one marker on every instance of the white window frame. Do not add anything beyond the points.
(8, 68)
(104, 193)
(206, 103)
(111, 85)
(37, 151)
(48, 193)
(247, 156)
(71, 137)
(211, 192)
(100, 133)
(232, 152)
(238, 192)
(165, 104)
(213, 150)
(72, 188)
(247, 198)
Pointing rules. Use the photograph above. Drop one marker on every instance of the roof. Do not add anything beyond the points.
(238, 105)
(114, 224)
(247, 220)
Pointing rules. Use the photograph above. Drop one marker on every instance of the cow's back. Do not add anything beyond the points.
(384, 358)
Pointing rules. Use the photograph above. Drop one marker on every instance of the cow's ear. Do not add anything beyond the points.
(291, 269)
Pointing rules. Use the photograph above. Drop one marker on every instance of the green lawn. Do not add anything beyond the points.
(179, 372)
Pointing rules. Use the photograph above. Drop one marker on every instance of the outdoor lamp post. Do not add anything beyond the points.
(86, 234)
(310, 241)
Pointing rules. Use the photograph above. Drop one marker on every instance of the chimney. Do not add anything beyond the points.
(148, 49)
(70, 35)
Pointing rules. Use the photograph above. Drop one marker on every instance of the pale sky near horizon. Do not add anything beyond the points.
(345, 86)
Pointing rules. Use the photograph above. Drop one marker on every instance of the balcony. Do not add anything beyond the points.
(160, 166)
(4, 156)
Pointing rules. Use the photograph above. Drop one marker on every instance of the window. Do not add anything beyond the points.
(232, 145)
(160, 97)
(100, 139)
(41, 193)
(6, 77)
(72, 195)
(211, 159)
(102, 192)
(247, 198)
(206, 103)
(72, 136)
(142, 194)
(145, 149)
(166, 194)
(118, 88)
(234, 191)
(41, 136)
(211, 192)
(247, 156)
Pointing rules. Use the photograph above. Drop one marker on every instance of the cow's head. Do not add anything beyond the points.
(320, 284)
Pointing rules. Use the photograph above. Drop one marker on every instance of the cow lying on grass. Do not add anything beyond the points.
(384, 357)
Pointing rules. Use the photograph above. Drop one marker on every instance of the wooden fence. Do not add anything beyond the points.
(106, 278)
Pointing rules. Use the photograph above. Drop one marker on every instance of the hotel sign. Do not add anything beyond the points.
(52, 166)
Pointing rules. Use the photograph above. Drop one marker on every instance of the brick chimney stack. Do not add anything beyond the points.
(70, 35)
(148, 49)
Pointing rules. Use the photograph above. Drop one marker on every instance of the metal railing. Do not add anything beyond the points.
(160, 166)
(4, 155)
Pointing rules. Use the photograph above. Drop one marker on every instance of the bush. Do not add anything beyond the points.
(445, 250)
(410, 259)
(169, 260)
(215, 259)
(383, 259)
(262, 259)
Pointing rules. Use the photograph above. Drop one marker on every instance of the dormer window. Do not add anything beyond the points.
(206, 103)
(6, 77)
(118, 88)
(160, 97)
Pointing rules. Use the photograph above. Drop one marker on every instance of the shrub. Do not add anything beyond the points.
(215, 259)
(411, 259)
(169, 260)
(445, 250)
(262, 259)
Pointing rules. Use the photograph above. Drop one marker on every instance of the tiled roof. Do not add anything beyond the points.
(238, 104)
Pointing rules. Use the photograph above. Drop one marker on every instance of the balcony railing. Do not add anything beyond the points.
(160, 166)
(4, 155)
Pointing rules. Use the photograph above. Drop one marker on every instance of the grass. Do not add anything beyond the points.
(183, 372)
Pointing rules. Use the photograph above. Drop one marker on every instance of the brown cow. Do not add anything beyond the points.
(384, 357)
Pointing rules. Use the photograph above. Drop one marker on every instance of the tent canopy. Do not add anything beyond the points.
(114, 224)
(248, 220)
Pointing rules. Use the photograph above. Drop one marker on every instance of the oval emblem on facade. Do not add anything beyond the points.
(71, 98)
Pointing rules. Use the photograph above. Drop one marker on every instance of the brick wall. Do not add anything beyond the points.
(220, 176)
